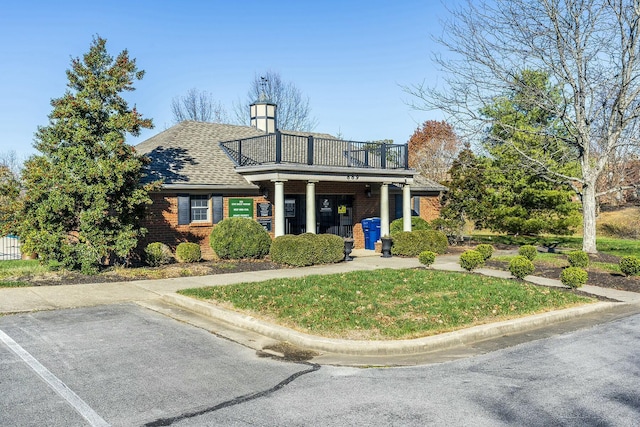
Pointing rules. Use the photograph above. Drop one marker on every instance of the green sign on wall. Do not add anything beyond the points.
(240, 208)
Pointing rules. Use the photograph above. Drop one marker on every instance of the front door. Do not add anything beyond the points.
(334, 215)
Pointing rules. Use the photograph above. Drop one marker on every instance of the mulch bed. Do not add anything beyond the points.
(596, 278)
(166, 271)
(599, 278)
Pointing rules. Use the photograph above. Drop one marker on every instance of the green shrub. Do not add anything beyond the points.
(630, 265)
(521, 266)
(239, 238)
(427, 258)
(81, 256)
(417, 223)
(411, 243)
(470, 260)
(452, 228)
(307, 249)
(574, 277)
(528, 251)
(188, 252)
(578, 259)
(486, 250)
(158, 254)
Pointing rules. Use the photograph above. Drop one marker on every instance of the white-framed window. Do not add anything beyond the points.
(199, 208)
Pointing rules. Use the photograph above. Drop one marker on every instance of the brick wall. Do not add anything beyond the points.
(430, 207)
(162, 224)
(162, 221)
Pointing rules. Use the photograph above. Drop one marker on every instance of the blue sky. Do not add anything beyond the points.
(348, 57)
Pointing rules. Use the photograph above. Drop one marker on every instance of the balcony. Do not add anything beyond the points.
(285, 148)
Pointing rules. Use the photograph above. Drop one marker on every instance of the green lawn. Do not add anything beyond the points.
(388, 304)
(20, 267)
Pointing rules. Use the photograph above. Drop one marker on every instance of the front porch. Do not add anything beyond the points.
(312, 171)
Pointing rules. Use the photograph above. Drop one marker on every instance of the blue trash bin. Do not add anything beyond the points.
(375, 231)
(366, 229)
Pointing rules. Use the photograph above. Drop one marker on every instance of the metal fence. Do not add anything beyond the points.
(9, 248)
(280, 148)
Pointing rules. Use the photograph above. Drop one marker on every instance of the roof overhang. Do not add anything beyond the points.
(297, 172)
(211, 187)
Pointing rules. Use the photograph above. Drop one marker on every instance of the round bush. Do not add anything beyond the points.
(578, 259)
(574, 277)
(307, 249)
(521, 266)
(427, 258)
(470, 260)
(417, 223)
(411, 243)
(630, 265)
(157, 253)
(486, 250)
(528, 251)
(239, 238)
(188, 252)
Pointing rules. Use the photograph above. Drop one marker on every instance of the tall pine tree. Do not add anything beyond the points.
(527, 199)
(84, 196)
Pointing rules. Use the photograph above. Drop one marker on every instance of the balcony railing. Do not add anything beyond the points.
(279, 148)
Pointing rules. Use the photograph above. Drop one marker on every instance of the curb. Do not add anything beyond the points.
(379, 348)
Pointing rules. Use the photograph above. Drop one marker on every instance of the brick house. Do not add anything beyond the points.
(290, 182)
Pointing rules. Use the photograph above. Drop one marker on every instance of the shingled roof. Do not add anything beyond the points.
(188, 155)
(425, 185)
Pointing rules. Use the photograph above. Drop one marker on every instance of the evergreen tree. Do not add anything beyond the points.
(499, 191)
(468, 195)
(525, 199)
(84, 196)
(10, 200)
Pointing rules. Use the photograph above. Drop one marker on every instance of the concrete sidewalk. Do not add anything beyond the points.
(160, 295)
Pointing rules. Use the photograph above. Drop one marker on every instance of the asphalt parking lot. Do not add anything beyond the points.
(125, 366)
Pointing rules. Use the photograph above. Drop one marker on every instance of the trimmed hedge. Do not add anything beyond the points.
(485, 249)
(188, 252)
(574, 277)
(417, 223)
(157, 253)
(630, 265)
(240, 238)
(528, 251)
(521, 266)
(411, 243)
(307, 249)
(578, 259)
(470, 260)
(427, 258)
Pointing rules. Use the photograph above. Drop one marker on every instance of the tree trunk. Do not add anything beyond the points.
(589, 218)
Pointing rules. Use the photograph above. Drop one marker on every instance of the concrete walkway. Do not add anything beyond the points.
(160, 295)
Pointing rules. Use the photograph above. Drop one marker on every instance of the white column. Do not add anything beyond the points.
(311, 207)
(384, 210)
(406, 208)
(279, 213)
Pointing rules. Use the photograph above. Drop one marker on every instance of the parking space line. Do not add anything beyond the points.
(58, 386)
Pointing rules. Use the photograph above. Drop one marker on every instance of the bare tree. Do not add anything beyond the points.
(10, 162)
(293, 111)
(589, 48)
(199, 106)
